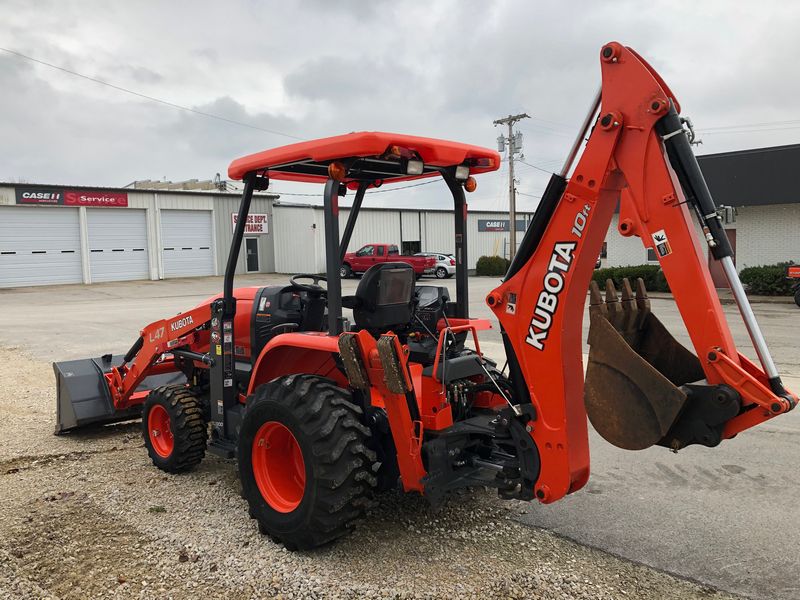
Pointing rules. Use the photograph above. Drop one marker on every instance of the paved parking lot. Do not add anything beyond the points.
(720, 516)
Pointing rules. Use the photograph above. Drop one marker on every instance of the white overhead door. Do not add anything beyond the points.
(186, 243)
(39, 246)
(117, 244)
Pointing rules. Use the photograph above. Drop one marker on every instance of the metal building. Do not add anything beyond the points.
(761, 210)
(300, 236)
(61, 234)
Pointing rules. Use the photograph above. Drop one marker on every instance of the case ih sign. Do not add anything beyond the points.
(67, 197)
(498, 225)
(256, 224)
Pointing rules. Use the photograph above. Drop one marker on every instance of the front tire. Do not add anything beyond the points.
(304, 464)
(797, 297)
(174, 428)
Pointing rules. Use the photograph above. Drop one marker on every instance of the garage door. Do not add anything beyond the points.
(186, 243)
(117, 244)
(39, 246)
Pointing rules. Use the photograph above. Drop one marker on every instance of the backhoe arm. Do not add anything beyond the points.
(642, 387)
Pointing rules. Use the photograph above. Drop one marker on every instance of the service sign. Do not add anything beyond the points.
(30, 195)
(498, 225)
(256, 224)
(82, 198)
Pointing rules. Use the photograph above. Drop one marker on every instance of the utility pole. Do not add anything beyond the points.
(514, 146)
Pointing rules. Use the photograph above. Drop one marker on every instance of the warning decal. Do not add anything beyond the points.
(661, 243)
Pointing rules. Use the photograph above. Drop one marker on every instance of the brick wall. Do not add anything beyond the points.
(766, 235)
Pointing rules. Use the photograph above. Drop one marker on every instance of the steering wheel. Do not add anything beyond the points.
(311, 288)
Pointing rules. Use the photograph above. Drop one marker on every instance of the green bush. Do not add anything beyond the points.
(492, 266)
(767, 280)
(652, 275)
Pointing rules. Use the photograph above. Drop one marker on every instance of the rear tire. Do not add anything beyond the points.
(797, 297)
(174, 428)
(304, 464)
(345, 272)
(441, 273)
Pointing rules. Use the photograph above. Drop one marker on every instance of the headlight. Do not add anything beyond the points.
(462, 172)
(414, 167)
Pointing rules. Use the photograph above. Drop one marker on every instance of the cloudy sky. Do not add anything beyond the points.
(308, 69)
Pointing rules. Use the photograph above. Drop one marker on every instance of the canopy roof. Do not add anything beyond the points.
(375, 156)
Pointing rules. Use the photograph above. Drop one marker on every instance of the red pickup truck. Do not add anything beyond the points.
(370, 254)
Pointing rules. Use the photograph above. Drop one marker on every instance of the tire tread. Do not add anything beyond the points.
(188, 424)
(339, 451)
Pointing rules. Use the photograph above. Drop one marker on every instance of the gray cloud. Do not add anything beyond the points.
(443, 69)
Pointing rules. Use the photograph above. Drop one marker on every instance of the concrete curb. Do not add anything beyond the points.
(725, 297)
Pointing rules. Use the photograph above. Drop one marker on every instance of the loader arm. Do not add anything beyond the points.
(155, 352)
(637, 156)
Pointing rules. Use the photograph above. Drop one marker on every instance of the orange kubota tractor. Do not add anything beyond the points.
(320, 410)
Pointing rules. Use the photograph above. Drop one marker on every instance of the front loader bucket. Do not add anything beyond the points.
(632, 391)
(83, 398)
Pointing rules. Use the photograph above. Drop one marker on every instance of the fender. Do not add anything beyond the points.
(289, 353)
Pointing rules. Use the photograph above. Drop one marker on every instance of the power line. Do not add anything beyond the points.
(755, 130)
(562, 125)
(527, 164)
(151, 98)
(541, 129)
(750, 125)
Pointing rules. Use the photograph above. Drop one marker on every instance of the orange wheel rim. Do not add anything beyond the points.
(278, 467)
(158, 426)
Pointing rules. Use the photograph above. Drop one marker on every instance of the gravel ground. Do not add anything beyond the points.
(88, 516)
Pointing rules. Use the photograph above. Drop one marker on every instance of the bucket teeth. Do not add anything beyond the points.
(596, 302)
(613, 308)
(626, 312)
(642, 301)
(595, 299)
(630, 311)
(611, 292)
(627, 292)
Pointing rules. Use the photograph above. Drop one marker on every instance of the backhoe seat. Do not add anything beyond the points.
(384, 298)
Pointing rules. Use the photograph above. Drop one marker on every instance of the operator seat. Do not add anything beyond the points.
(384, 298)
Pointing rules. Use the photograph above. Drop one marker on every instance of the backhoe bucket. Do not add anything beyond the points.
(83, 398)
(635, 369)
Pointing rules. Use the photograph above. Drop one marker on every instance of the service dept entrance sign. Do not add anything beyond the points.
(256, 224)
